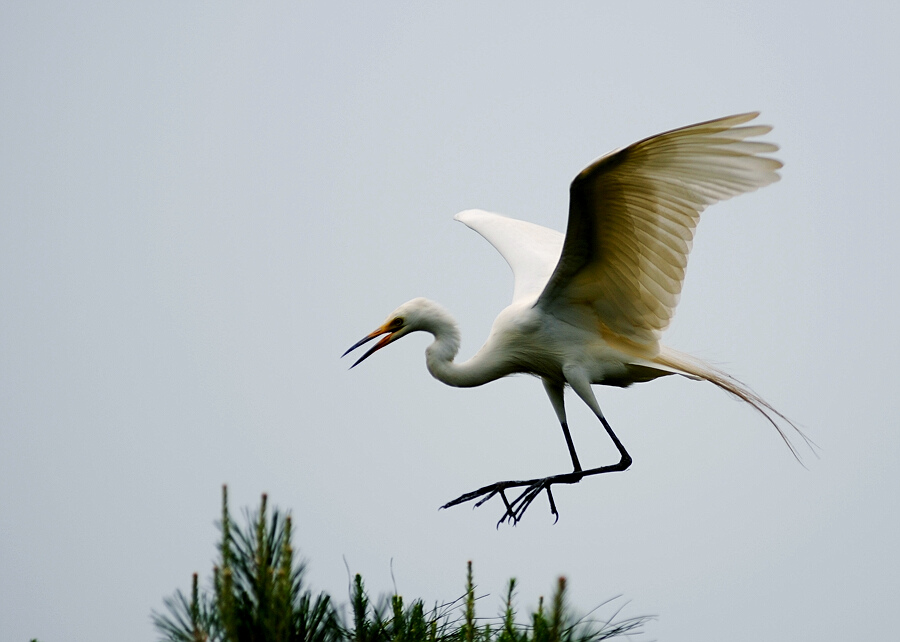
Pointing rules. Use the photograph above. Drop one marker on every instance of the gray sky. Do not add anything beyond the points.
(202, 204)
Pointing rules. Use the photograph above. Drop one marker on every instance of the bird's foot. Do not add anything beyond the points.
(516, 508)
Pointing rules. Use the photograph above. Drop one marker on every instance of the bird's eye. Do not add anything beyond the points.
(396, 323)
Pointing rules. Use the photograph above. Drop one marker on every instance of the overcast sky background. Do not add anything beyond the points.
(203, 204)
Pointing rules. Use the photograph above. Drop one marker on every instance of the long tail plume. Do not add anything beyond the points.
(696, 368)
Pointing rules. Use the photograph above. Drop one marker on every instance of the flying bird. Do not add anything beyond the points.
(589, 307)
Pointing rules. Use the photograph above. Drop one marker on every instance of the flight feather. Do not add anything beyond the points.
(632, 217)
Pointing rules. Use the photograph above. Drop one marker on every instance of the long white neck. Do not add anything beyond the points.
(439, 356)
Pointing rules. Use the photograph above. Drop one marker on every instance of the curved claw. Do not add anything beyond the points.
(552, 505)
(516, 508)
(509, 510)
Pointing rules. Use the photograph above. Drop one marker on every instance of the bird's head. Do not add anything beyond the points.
(409, 317)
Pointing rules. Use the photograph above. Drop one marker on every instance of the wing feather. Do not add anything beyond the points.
(632, 217)
(532, 251)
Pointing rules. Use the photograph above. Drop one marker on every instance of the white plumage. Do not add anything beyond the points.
(589, 307)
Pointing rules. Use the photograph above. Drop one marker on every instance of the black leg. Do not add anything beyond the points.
(516, 508)
(575, 463)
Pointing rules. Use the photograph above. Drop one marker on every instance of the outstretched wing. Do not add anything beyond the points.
(532, 251)
(632, 216)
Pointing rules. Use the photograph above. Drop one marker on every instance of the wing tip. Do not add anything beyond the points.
(468, 217)
(465, 215)
(731, 121)
(745, 117)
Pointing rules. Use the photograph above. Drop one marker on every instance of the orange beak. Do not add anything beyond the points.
(388, 338)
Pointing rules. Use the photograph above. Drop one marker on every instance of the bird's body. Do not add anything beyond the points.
(526, 340)
(589, 307)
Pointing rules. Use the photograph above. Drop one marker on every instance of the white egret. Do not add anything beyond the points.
(589, 308)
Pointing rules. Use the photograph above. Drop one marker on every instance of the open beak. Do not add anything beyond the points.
(389, 337)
